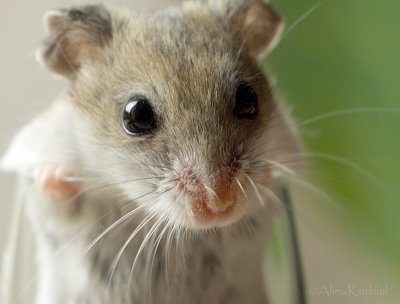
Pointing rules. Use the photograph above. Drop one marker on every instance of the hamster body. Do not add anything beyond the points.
(176, 135)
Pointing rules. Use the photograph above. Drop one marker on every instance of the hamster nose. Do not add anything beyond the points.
(224, 196)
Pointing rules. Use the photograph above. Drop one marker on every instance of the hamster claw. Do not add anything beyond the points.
(54, 182)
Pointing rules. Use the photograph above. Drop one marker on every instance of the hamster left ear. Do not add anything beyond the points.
(75, 35)
(258, 25)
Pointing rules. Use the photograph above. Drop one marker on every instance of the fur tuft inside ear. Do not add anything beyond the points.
(257, 24)
(52, 20)
(75, 35)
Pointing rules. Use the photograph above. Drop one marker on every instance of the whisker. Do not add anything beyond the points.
(307, 184)
(281, 166)
(147, 219)
(301, 19)
(274, 198)
(213, 195)
(241, 188)
(347, 163)
(155, 248)
(256, 190)
(116, 223)
(347, 112)
(153, 229)
(107, 185)
(167, 250)
(316, 190)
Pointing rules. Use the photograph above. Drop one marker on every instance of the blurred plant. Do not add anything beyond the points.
(339, 70)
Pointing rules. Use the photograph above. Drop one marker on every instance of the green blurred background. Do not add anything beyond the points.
(341, 61)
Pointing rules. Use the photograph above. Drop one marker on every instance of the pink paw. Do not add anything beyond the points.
(54, 182)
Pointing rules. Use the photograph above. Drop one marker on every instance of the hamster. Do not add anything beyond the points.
(154, 171)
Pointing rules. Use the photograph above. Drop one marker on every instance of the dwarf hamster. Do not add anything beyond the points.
(173, 135)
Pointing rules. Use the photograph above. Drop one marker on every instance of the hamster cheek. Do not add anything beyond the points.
(54, 183)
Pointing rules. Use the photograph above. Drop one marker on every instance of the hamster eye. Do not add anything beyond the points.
(246, 105)
(138, 116)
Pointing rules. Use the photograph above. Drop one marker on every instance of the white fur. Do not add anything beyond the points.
(44, 140)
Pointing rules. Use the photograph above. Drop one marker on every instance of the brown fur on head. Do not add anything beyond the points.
(76, 34)
(189, 63)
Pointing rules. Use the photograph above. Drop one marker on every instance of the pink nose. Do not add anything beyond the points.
(212, 199)
(225, 193)
(219, 205)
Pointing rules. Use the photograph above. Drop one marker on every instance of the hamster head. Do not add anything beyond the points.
(171, 105)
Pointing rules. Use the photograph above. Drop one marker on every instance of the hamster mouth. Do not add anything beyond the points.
(205, 213)
(221, 211)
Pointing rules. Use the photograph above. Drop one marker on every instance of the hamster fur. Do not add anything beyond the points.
(176, 215)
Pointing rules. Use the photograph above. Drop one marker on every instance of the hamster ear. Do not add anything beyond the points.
(75, 35)
(255, 21)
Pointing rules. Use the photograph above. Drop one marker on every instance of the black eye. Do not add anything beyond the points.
(138, 116)
(246, 102)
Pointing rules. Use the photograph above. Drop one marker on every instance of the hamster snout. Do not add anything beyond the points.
(213, 196)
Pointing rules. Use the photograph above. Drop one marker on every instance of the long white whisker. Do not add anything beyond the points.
(149, 258)
(345, 162)
(167, 250)
(213, 195)
(102, 185)
(274, 198)
(259, 197)
(301, 19)
(121, 251)
(281, 166)
(158, 241)
(115, 224)
(241, 188)
(315, 189)
(347, 112)
(153, 229)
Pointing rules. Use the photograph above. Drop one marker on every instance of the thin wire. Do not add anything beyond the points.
(299, 280)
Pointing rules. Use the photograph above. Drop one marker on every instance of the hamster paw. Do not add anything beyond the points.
(55, 183)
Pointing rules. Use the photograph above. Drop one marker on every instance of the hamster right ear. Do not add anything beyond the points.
(255, 21)
(75, 36)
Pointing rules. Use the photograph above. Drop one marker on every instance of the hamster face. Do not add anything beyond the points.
(177, 113)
